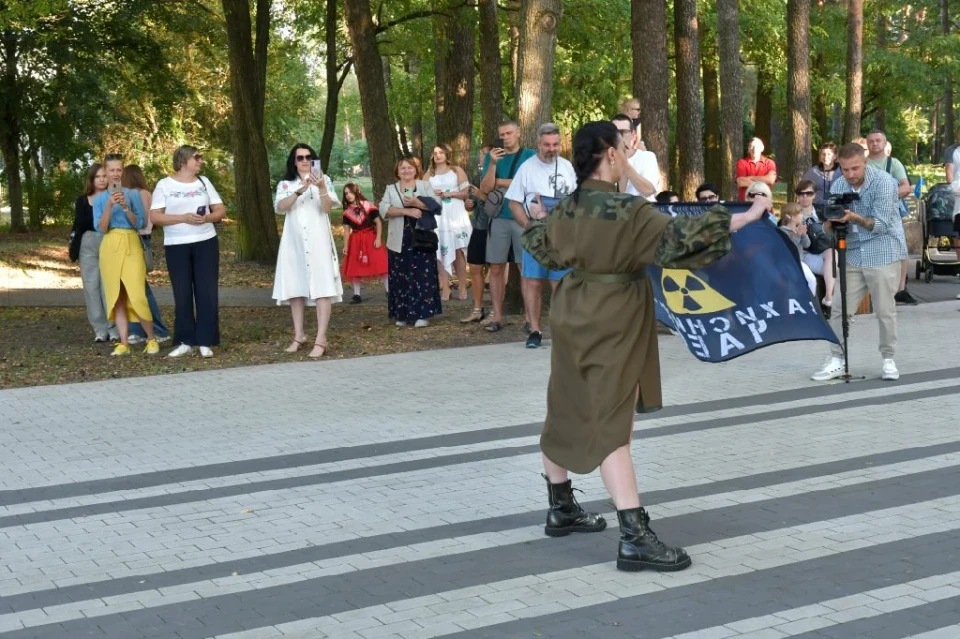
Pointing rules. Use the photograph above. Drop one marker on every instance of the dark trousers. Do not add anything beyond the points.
(194, 273)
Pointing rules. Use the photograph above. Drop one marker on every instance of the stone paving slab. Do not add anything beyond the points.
(271, 502)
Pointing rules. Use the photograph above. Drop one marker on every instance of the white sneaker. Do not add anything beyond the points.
(889, 371)
(958, 296)
(161, 340)
(135, 339)
(206, 351)
(833, 369)
(401, 324)
(421, 324)
(180, 351)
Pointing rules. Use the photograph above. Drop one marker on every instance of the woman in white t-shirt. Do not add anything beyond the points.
(187, 205)
(308, 271)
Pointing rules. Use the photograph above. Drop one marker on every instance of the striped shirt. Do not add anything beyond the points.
(885, 244)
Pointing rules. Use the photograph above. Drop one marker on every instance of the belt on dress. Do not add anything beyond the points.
(610, 278)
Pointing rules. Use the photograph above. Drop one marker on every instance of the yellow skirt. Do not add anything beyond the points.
(122, 265)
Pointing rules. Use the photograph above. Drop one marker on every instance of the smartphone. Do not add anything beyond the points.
(114, 188)
(202, 210)
(316, 169)
(498, 143)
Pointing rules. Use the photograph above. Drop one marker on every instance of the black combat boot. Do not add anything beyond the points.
(566, 516)
(640, 548)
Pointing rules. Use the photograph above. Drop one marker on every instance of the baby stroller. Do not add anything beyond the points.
(936, 220)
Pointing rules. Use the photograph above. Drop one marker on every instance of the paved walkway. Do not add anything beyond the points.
(400, 497)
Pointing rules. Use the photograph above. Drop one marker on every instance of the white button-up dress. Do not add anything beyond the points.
(307, 264)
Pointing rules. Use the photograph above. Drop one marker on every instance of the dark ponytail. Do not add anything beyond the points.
(589, 143)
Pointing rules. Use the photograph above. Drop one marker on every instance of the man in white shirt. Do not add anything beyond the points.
(544, 176)
(645, 178)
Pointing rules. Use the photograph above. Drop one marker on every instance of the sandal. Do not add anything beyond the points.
(323, 350)
(477, 315)
(294, 347)
(493, 327)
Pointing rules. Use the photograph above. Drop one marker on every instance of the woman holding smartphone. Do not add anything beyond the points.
(89, 257)
(308, 271)
(187, 205)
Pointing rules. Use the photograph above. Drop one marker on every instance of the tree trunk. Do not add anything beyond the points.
(689, 119)
(10, 131)
(336, 75)
(455, 55)
(854, 104)
(948, 121)
(731, 92)
(538, 41)
(651, 77)
(712, 162)
(373, 94)
(514, 60)
(258, 237)
(491, 77)
(820, 114)
(880, 115)
(763, 127)
(798, 91)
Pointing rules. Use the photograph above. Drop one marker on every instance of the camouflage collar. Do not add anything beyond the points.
(598, 185)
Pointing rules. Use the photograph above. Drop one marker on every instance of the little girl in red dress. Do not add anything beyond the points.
(364, 255)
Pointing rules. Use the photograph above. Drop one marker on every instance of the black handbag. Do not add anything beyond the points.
(75, 238)
(425, 241)
(819, 240)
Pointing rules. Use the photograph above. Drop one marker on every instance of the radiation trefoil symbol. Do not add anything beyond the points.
(687, 294)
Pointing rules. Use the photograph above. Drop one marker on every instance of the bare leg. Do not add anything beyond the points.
(476, 280)
(532, 299)
(460, 268)
(620, 479)
(828, 278)
(324, 310)
(120, 316)
(498, 286)
(296, 310)
(444, 281)
(555, 473)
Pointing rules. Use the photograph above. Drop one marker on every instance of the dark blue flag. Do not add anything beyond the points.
(754, 296)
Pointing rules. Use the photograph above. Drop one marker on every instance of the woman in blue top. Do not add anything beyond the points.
(118, 214)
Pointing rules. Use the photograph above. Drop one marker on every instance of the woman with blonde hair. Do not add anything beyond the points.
(118, 214)
(450, 183)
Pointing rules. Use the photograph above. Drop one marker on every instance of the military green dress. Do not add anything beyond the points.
(602, 315)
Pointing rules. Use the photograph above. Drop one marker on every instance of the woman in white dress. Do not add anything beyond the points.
(453, 226)
(308, 271)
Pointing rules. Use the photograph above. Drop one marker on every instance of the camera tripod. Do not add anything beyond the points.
(840, 271)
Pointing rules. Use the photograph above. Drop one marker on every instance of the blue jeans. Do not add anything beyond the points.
(159, 328)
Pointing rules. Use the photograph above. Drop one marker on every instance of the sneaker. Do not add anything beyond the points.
(401, 324)
(120, 349)
(904, 297)
(114, 337)
(180, 351)
(421, 323)
(161, 340)
(135, 339)
(889, 371)
(153, 347)
(206, 351)
(832, 369)
(534, 339)
(100, 339)
(958, 296)
(356, 299)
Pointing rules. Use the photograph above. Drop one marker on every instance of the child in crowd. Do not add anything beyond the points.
(791, 223)
(364, 255)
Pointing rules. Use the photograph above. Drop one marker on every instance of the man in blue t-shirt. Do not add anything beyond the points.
(504, 232)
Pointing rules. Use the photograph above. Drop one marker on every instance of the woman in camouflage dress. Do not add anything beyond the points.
(605, 362)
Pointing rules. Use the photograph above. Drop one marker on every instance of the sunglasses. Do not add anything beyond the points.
(806, 193)
(707, 198)
(625, 131)
(753, 194)
(110, 157)
(304, 158)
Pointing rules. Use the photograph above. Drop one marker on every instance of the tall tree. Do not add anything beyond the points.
(380, 136)
(536, 51)
(337, 67)
(258, 237)
(491, 75)
(651, 74)
(854, 104)
(798, 90)
(948, 121)
(10, 128)
(689, 119)
(763, 123)
(712, 162)
(455, 37)
(731, 92)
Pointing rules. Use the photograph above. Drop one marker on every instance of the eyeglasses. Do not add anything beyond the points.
(707, 198)
(304, 158)
(753, 194)
(806, 193)
(625, 131)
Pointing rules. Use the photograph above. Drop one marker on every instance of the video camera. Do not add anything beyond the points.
(837, 203)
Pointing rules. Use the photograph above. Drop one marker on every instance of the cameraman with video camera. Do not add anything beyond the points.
(865, 210)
